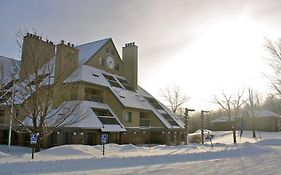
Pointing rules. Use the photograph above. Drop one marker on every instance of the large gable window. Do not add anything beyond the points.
(170, 120)
(154, 103)
(112, 81)
(105, 116)
(126, 84)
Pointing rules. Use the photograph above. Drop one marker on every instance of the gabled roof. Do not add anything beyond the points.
(86, 51)
(82, 117)
(131, 99)
(265, 113)
(8, 66)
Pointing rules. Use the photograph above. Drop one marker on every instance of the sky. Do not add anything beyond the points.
(205, 46)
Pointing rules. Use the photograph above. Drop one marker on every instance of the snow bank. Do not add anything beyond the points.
(262, 157)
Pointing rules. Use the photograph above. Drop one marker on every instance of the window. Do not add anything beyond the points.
(38, 79)
(126, 84)
(10, 84)
(108, 121)
(117, 67)
(107, 50)
(101, 60)
(170, 120)
(128, 117)
(95, 75)
(93, 95)
(74, 95)
(154, 103)
(112, 52)
(112, 81)
(102, 112)
(144, 121)
(2, 113)
(105, 116)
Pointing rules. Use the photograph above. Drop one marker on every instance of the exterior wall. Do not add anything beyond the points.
(135, 118)
(107, 50)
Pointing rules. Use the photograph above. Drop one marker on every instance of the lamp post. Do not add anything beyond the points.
(202, 124)
(186, 124)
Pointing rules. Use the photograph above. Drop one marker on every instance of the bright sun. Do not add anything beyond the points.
(228, 56)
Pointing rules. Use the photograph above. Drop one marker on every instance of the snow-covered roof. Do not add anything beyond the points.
(9, 69)
(259, 113)
(265, 113)
(86, 51)
(222, 119)
(131, 99)
(81, 116)
(24, 89)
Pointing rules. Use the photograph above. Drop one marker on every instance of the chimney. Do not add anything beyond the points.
(130, 60)
(66, 60)
(35, 53)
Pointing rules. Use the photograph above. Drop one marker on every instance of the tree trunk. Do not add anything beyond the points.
(234, 132)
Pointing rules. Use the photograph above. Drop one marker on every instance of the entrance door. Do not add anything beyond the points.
(89, 138)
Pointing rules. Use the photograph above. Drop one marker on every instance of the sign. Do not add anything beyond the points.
(33, 139)
(103, 138)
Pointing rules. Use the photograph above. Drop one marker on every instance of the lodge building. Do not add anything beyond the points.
(104, 88)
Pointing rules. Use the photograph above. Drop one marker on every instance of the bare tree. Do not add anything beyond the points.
(174, 97)
(36, 91)
(231, 105)
(274, 50)
(254, 104)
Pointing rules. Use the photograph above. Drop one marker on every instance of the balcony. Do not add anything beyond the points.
(95, 98)
(144, 123)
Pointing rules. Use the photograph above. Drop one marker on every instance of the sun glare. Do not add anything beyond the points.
(228, 56)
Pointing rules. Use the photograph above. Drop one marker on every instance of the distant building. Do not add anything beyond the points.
(264, 121)
(107, 89)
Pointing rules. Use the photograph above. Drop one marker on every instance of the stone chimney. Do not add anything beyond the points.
(35, 53)
(130, 60)
(66, 60)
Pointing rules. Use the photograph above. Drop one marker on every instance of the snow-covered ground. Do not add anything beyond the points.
(249, 156)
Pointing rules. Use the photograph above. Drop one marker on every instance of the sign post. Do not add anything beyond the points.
(33, 141)
(103, 140)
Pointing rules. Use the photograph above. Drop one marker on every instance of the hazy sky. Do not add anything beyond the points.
(203, 46)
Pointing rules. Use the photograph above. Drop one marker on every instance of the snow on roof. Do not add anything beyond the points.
(86, 51)
(258, 113)
(88, 74)
(222, 119)
(8, 67)
(131, 99)
(82, 116)
(265, 113)
(24, 89)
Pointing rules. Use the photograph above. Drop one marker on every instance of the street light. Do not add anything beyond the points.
(186, 123)
(202, 124)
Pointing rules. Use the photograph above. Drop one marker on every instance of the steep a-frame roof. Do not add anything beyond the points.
(139, 99)
(86, 51)
(8, 67)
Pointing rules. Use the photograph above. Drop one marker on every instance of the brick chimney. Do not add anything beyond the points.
(35, 53)
(130, 60)
(66, 60)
